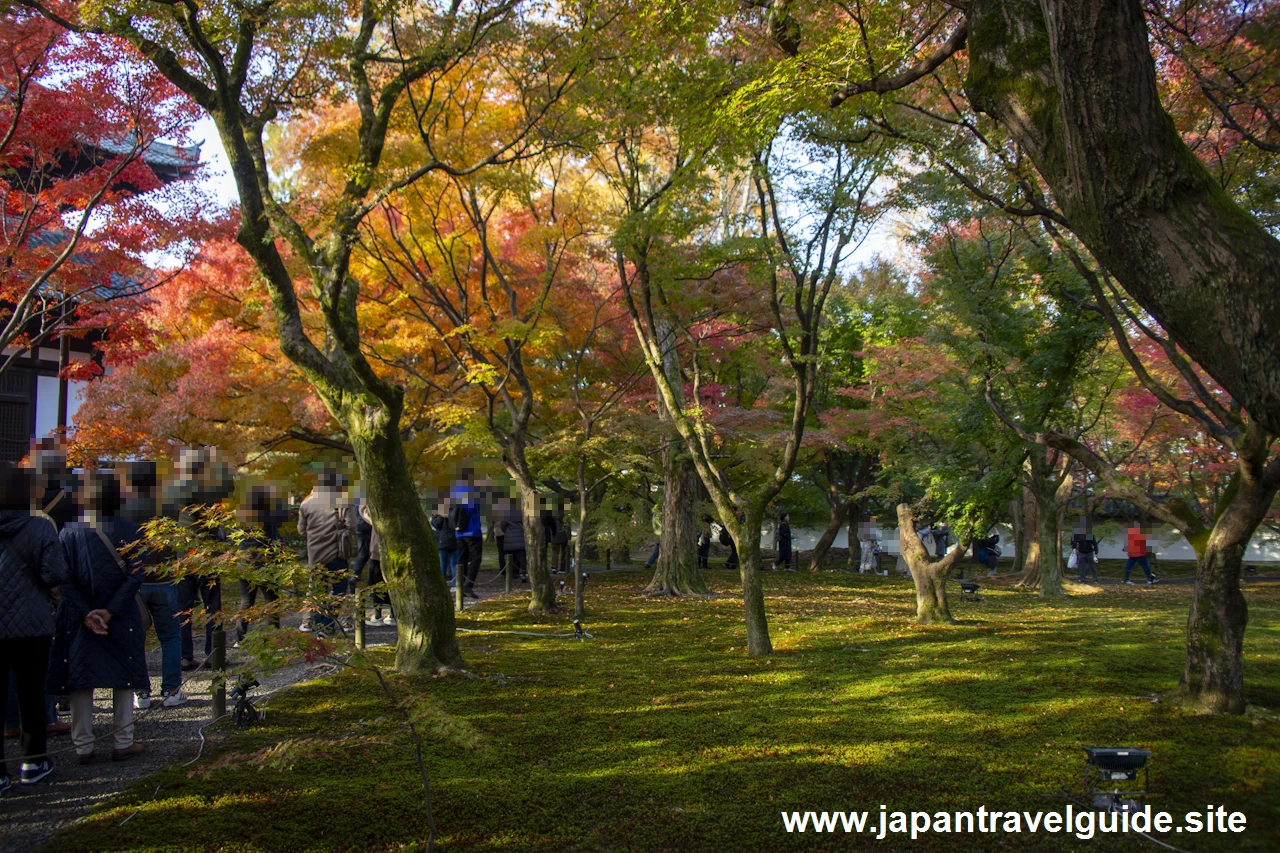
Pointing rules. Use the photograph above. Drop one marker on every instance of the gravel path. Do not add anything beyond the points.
(30, 815)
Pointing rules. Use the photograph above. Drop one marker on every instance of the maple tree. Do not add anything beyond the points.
(1213, 679)
(401, 69)
(89, 190)
(1075, 86)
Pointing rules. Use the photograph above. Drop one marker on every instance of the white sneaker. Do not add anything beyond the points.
(388, 620)
(176, 699)
(141, 701)
(305, 627)
(370, 618)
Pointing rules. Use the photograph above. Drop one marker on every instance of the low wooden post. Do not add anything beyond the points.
(457, 588)
(218, 663)
(359, 623)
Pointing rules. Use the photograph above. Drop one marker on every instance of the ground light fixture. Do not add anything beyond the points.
(1108, 766)
(969, 591)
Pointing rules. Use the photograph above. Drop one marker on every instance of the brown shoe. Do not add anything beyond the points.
(85, 757)
(12, 732)
(128, 752)
(57, 729)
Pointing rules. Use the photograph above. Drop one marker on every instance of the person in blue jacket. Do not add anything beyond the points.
(464, 516)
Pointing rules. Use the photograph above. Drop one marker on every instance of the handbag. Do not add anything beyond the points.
(144, 615)
(346, 541)
(1073, 562)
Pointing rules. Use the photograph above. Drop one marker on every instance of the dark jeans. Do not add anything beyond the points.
(784, 558)
(1141, 561)
(1087, 563)
(162, 602)
(560, 556)
(380, 597)
(703, 554)
(518, 563)
(653, 558)
(448, 563)
(470, 549)
(248, 597)
(209, 591)
(321, 618)
(28, 659)
(502, 553)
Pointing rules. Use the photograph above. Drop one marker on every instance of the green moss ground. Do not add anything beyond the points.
(661, 735)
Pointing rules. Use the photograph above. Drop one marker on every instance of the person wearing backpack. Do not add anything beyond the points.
(380, 598)
(158, 591)
(99, 638)
(32, 562)
(326, 521)
(464, 517)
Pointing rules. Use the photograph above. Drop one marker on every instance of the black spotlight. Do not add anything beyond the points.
(969, 591)
(1107, 765)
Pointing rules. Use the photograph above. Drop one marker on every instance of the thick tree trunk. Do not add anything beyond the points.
(1031, 534)
(839, 512)
(931, 592)
(1213, 679)
(747, 538)
(425, 638)
(929, 574)
(676, 572)
(1019, 534)
(1050, 554)
(542, 592)
(1074, 82)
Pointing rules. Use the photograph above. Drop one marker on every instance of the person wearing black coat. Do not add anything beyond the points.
(32, 562)
(446, 544)
(99, 638)
(510, 524)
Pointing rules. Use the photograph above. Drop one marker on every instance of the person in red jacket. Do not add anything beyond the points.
(1136, 548)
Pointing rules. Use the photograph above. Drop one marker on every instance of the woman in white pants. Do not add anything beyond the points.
(99, 638)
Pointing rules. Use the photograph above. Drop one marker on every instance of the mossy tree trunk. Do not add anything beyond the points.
(1019, 534)
(746, 536)
(1213, 678)
(1031, 535)
(425, 638)
(542, 592)
(929, 574)
(676, 572)
(1074, 82)
(215, 71)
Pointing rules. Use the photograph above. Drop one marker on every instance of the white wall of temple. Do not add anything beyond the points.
(47, 403)
(1264, 548)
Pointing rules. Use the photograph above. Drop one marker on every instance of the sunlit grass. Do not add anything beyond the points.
(660, 734)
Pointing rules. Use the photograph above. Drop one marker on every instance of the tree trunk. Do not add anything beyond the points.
(425, 637)
(1031, 533)
(1074, 82)
(1050, 553)
(1019, 534)
(676, 572)
(1213, 678)
(839, 512)
(854, 560)
(747, 538)
(542, 592)
(929, 574)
